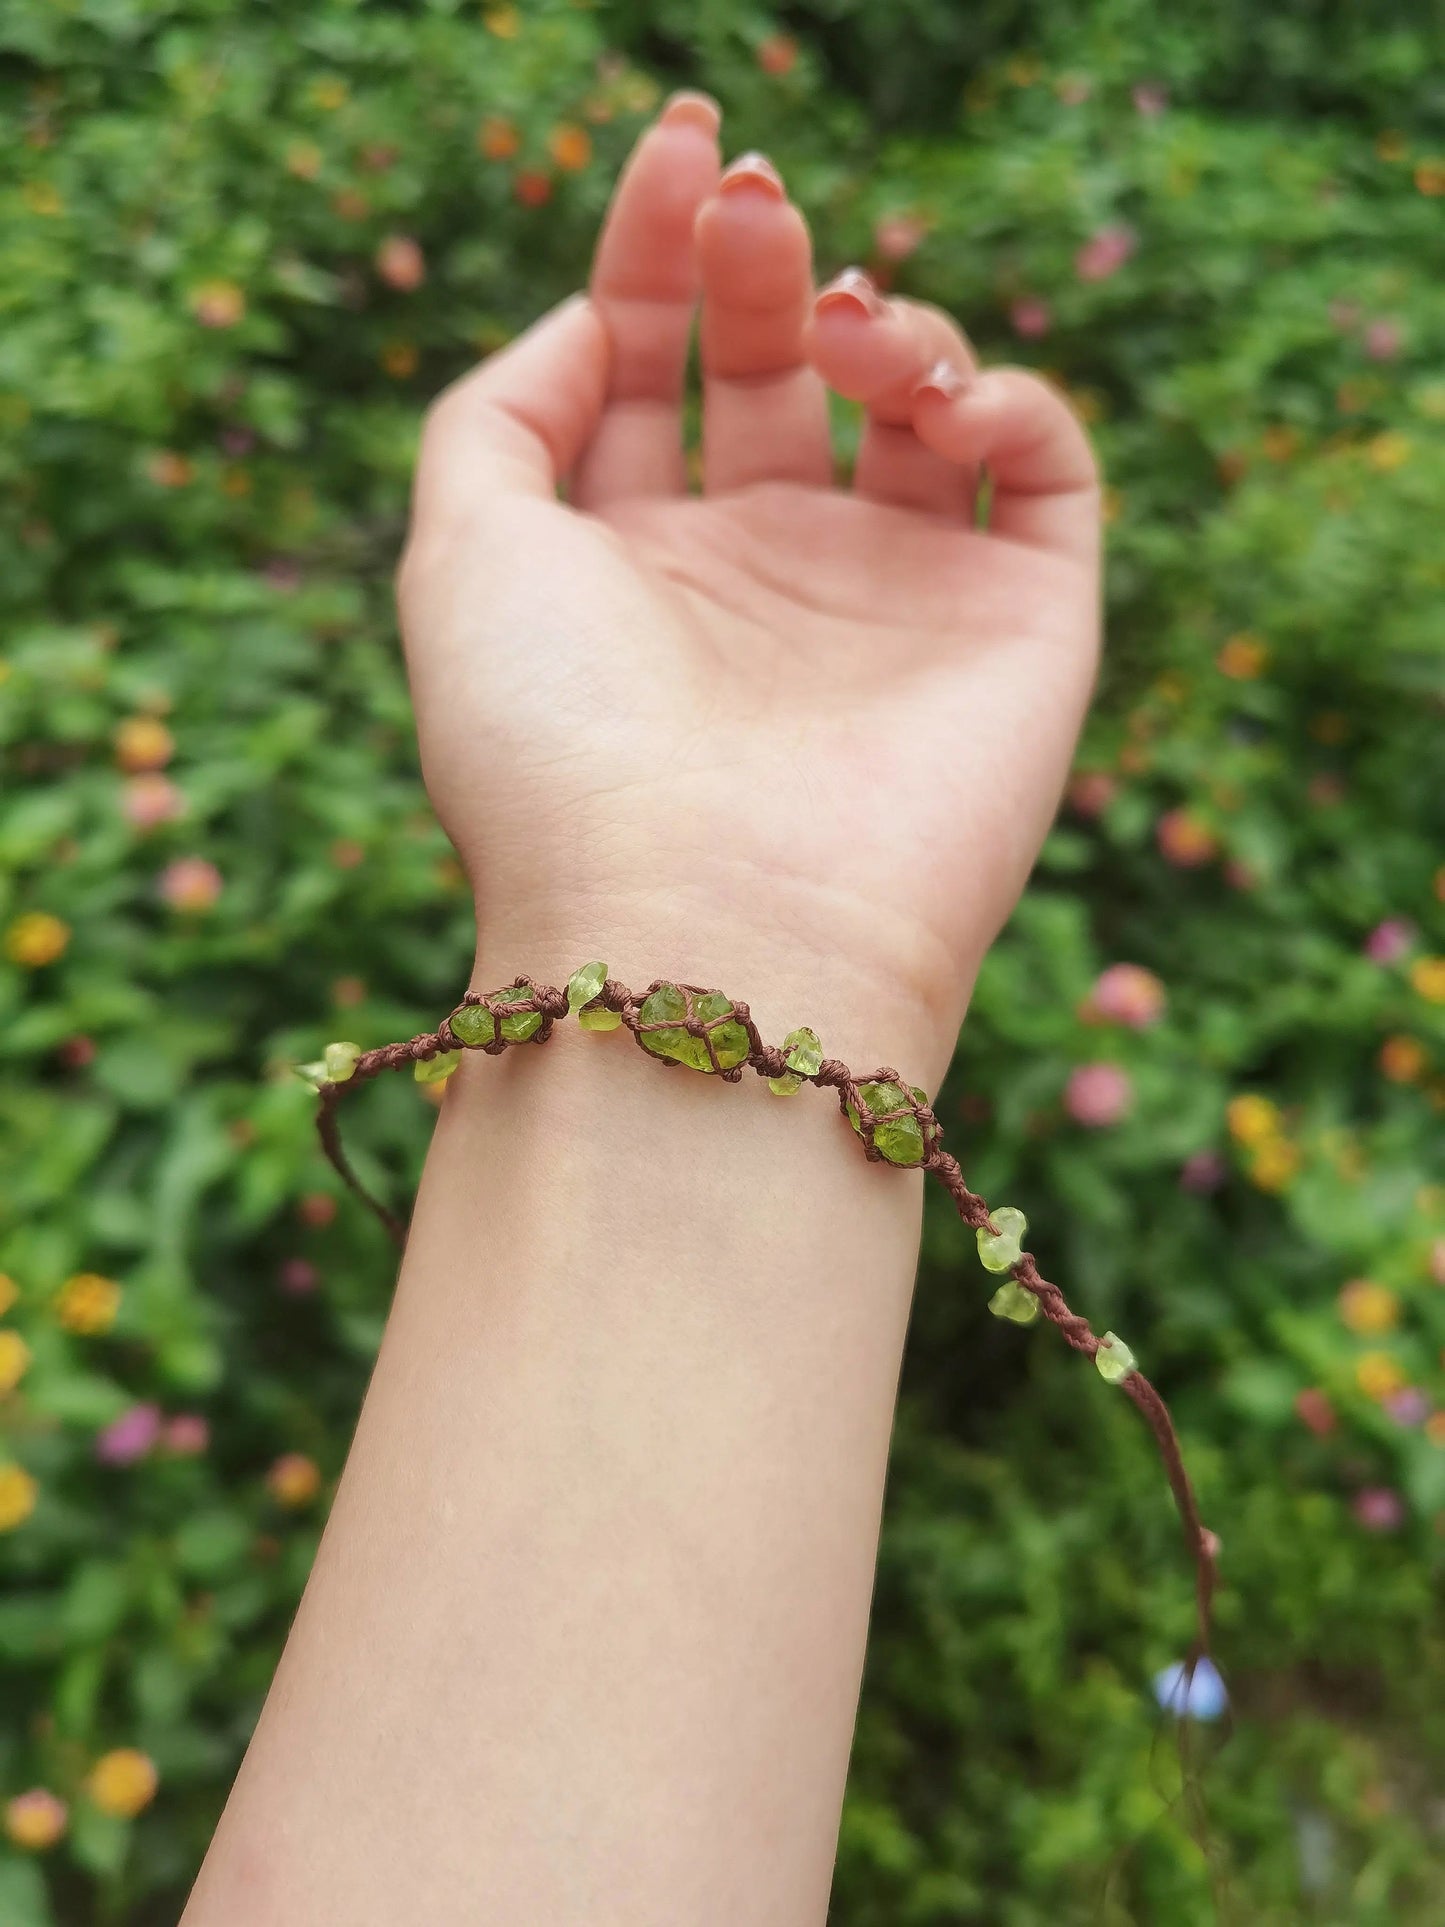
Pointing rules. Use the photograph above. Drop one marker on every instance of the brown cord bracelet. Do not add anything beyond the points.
(681, 1024)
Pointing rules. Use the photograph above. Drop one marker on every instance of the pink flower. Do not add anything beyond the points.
(1437, 1261)
(401, 263)
(1129, 994)
(1150, 100)
(896, 236)
(1098, 1095)
(129, 1437)
(1408, 1406)
(151, 799)
(1202, 1172)
(1379, 1509)
(1389, 941)
(1104, 254)
(299, 1276)
(187, 1435)
(1031, 318)
(190, 883)
(1383, 340)
(1091, 791)
(237, 441)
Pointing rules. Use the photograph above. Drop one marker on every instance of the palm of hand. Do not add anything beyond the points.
(850, 713)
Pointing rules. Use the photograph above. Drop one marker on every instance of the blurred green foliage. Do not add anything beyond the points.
(238, 251)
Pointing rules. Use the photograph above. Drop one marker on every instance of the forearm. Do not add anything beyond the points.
(598, 1574)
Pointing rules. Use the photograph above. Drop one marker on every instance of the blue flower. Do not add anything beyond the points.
(1196, 1695)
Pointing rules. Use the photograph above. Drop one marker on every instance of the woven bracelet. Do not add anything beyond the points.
(680, 1024)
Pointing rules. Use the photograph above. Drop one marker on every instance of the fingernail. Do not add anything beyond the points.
(850, 292)
(689, 109)
(944, 379)
(752, 173)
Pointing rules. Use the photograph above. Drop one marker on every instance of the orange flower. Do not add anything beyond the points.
(143, 743)
(570, 147)
(532, 188)
(778, 54)
(294, 1480)
(1377, 1375)
(1185, 839)
(1428, 978)
(169, 469)
(123, 1783)
(218, 304)
(35, 1820)
(1243, 658)
(1435, 1428)
(87, 1304)
(1368, 1309)
(399, 359)
(498, 139)
(1402, 1059)
(36, 939)
(1430, 177)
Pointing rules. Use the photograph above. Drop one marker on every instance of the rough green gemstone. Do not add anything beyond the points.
(585, 984)
(901, 1139)
(526, 1023)
(433, 1070)
(313, 1074)
(1114, 1359)
(599, 1019)
(1003, 1252)
(1011, 1301)
(729, 1041)
(803, 1055)
(473, 1024)
(341, 1061)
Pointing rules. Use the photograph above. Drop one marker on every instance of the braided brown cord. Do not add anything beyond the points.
(768, 1060)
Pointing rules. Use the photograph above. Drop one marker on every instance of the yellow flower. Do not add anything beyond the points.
(505, 22)
(123, 1782)
(329, 93)
(143, 743)
(1275, 1164)
(1377, 1375)
(14, 1358)
(42, 197)
(87, 1304)
(1252, 1119)
(9, 1292)
(36, 939)
(35, 1820)
(1388, 451)
(17, 1496)
(1428, 977)
(294, 1479)
(1368, 1309)
(1402, 1059)
(1243, 657)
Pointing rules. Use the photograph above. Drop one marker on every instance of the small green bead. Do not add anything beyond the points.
(314, 1075)
(1003, 1252)
(1114, 1359)
(1011, 1301)
(341, 1061)
(599, 1019)
(585, 984)
(526, 1023)
(473, 1024)
(803, 1055)
(900, 1140)
(668, 1002)
(433, 1070)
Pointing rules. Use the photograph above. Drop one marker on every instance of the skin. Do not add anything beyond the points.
(584, 1636)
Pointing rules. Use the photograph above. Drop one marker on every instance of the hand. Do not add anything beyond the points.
(810, 732)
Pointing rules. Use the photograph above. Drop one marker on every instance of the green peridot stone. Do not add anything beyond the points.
(585, 984)
(667, 1004)
(314, 1075)
(526, 1023)
(341, 1061)
(900, 1140)
(599, 1018)
(1114, 1359)
(1011, 1301)
(803, 1055)
(473, 1024)
(1003, 1252)
(433, 1070)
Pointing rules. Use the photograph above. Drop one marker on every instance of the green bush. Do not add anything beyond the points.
(236, 255)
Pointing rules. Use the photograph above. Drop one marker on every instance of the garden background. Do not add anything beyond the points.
(240, 246)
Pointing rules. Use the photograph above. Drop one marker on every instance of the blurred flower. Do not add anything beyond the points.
(1150, 100)
(218, 304)
(9, 1292)
(1243, 658)
(401, 263)
(1368, 1309)
(316, 1208)
(1073, 89)
(129, 1437)
(299, 1276)
(1378, 1375)
(1098, 1094)
(1388, 451)
(349, 992)
(87, 1304)
(896, 236)
(1437, 1261)
(236, 441)
(168, 468)
(1104, 253)
(150, 800)
(504, 21)
(399, 359)
(1126, 993)
(123, 1783)
(1383, 340)
(303, 159)
(1194, 1693)
(1325, 789)
(187, 1435)
(143, 743)
(778, 54)
(1428, 978)
(36, 939)
(1389, 941)
(1031, 318)
(1430, 177)
(1091, 791)
(1275, 1165)
(570, 147)
(329, 93)
(190, 883)
(14, 1360)
(1408, 1406)
(1313, 1409)
(532, 188)
(1239, 876)
(1379, 1509)
(1435, 1428)
(1202, 1172)
(498, 139)
(1402, 1059)
(17, 1496)
(1185, 840)
(1251, 1119)
(35, 1820)
(294, 1480)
